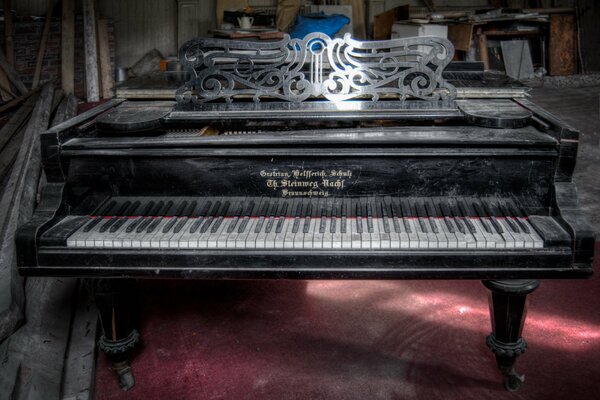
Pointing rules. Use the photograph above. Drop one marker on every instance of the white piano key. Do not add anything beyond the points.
(356, 239)
(252, 235)
(288, 241)
(279, 239)
(273, 235)
(337, 237)
(450, 236)
(385, 237)
(528, 242)
(177, 237)
(204, 236)
(214, 237)
(310, 235)
(432, 237)
(507, 237)
(157, 234)
(480, 240)
(441, 237)
(538, 242)
(413, 237)
(376, 234)
(299, 236)
(78, 238)
(242, 232)
(225, 232)
(328, 236)
(365, 236)
(423, 239)
(262, 234)
(187, 239)
(317, 235)
(461, 238)
(396, 239)
(232, 227)
(519, 240)
(347, 236)
(496, 237)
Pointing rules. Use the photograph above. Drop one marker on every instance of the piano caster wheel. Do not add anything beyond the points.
(512, 380)
(124, 374)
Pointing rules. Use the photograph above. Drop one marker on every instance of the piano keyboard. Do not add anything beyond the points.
(272, 223)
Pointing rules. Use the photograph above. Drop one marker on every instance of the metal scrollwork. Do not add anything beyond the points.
(315, 67)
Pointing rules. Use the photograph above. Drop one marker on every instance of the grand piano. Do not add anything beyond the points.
(317, 158)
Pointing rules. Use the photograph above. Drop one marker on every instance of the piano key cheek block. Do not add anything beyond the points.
(314, 159)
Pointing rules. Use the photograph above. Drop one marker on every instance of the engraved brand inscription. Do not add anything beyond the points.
(308, 182)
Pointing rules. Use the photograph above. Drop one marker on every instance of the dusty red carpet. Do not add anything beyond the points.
(354, 340)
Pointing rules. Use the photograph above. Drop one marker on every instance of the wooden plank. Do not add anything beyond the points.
(91, 51)
(106, 72)
(16, 102)
(80, 361)
(42, 48)
(483, 49)
(15, 123)
(11, 74)
(17, 202)
(67, 50)
(8, 32)
(41, 343)
(382, 27)
(562, 52)
(460, 35)
(5, 91)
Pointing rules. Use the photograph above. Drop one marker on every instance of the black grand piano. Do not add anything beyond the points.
(312, 159)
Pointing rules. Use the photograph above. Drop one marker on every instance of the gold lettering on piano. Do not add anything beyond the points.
(307, 182)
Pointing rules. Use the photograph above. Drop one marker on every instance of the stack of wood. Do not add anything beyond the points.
(99, 76)
(37, 314)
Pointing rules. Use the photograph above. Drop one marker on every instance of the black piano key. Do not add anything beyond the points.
(423, 225)
(259, 225)
(205, 209)
(179, 226)
(270, 223)
(117, 225)
(133, 208)
(123, 208)
(153, 225)
(196, 224)
(518, 213)
(143, 224)
(169, 225)
(445, 209)
(405, 208)
(243, 225)
(107, 224)
(465, 213)
(232, 224)
(492, 212)
(449, 225)
(332, 225)
(190, 208)
(157, 208)
(167, 208)
(180, 208)
(133, 224)
(279, 226)
(343, 211)
(431, 213)
(343, 225)
(482, 214)
(147, 208)
(207, 223)
(106, 208)
(216, 225)
(306, 226)
(296, 225)
(92, 224)
(510, 221)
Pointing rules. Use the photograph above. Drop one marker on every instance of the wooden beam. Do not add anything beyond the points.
(91, 51)
(15, 102)
(11, 74)
(8, 32)
(42, 48)
(104, 56)
(563, 45)
(5, 90)
(67, 49)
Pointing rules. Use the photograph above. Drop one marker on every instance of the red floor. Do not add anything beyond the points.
(354, 340)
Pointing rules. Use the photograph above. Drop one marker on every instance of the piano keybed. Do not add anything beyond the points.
(273, 223)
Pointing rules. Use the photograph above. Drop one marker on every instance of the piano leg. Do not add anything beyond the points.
(116, 300)
(508, 308)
